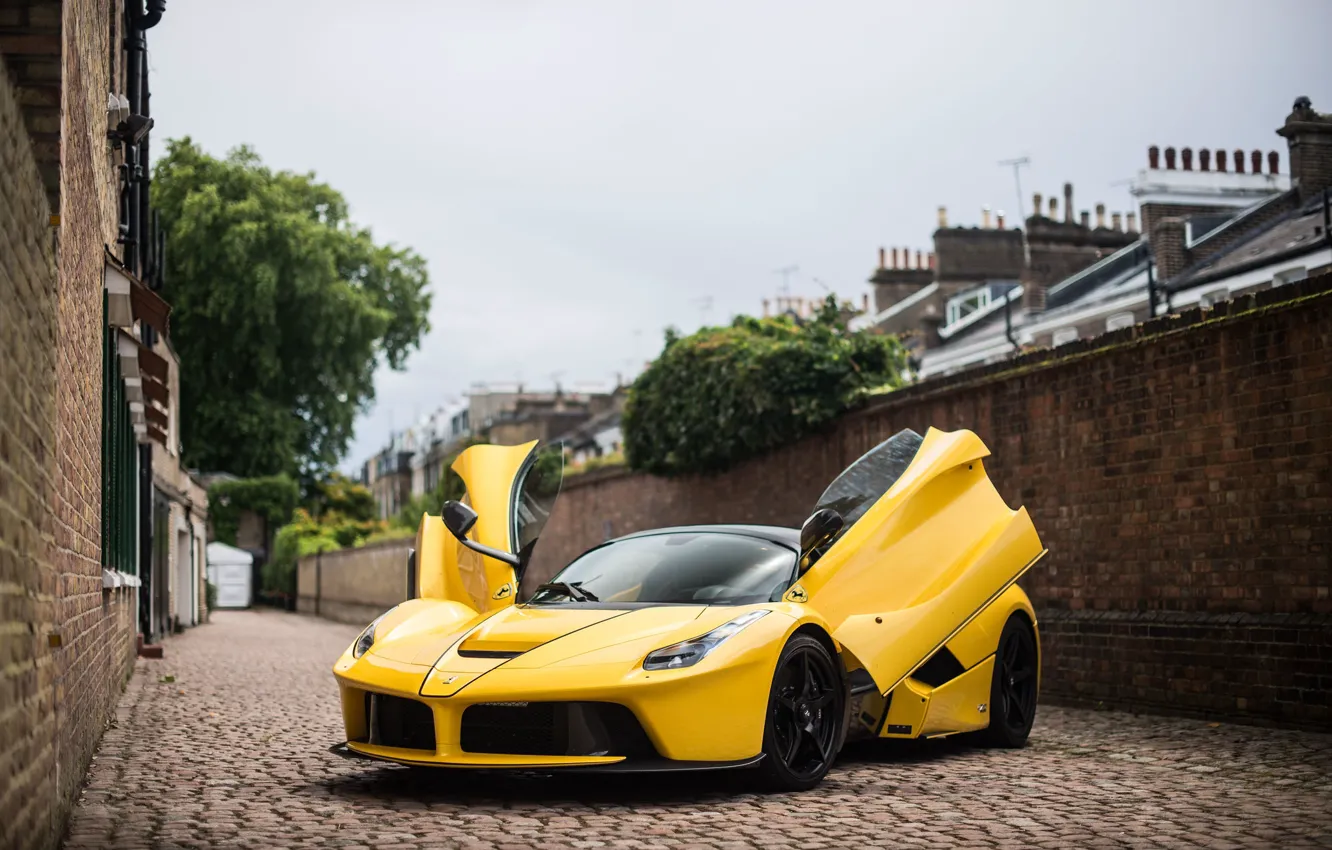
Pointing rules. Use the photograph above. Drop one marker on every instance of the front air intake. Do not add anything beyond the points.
(398, 722)
(554, 729)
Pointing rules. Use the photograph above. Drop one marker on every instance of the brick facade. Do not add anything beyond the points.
(68, 644)
(1178, 471)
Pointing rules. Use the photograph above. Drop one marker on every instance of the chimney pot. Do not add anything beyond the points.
(1239, 161)
(1170, 159)
(1132, 222)
(1086, 219)
(1256, 162)
(930, 256)
(1204, 160)
(765, 308)
(864, 302)
(1273, 162)
(1221, 157)
(1036, 204)
(1068, 203)
(1186, 159)
(1054, 208)
(999, 218)
(1153, 157)
(882, 257)
(919, 264)
(985, 217)
(1100, 216)
(1116, 222)
(943, 216)
(897, 264)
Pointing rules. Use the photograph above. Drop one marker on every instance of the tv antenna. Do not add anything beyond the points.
(786, 272)
(704, 305)
(1017, 164)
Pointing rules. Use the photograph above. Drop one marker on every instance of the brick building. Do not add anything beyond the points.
(1216, 225)
(86, 389)
(974, 270)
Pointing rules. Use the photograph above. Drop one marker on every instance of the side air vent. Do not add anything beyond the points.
(943, 666)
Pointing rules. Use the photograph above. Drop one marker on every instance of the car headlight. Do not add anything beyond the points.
(367, 638)
(687, 653)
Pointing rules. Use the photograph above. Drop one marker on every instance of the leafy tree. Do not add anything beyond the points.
(722, 395)
(272, 497)
(282, 310)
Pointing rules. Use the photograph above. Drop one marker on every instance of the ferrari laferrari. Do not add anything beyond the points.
(892, 612)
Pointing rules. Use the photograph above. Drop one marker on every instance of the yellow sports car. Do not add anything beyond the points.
(893, 613)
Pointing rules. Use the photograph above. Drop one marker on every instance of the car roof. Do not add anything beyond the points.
(775, 533)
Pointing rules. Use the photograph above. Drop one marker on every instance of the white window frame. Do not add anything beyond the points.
(1213, 297)
(1293, 274)
(977, 299)
(1119, 321)
(1062, 336)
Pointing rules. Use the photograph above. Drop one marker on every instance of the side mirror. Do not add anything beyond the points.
(821, 527)
(459, 519)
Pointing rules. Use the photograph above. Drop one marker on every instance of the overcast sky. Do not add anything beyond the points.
(580, 174)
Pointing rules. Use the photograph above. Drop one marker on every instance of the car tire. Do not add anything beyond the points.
(1013, 687)
(803, 726)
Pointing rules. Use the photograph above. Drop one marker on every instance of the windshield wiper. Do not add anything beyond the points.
(573, 591)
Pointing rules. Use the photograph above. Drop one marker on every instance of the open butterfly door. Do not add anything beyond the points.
(513, 490)
(928, 543)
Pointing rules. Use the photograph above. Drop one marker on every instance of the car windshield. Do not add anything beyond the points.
(687, 567)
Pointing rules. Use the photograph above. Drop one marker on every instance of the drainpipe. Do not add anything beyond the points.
(1151, 289)
(1008, 321)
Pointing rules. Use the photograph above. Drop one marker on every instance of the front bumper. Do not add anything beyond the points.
(646, 765)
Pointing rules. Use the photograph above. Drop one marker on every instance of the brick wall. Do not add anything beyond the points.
(28, 583)
(1179, 472)
(353, 585)
(68, 645)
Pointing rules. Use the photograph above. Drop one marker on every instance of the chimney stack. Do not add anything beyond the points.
(1132, 219)
(943, 217)
(1100, 216)
(1309, 135)
(1239, 161)
(1116, 222)
(1170, 159)
(1154, 158)
(1204, 160)
(1186, 159)
(1086, 219)
(1068, 203)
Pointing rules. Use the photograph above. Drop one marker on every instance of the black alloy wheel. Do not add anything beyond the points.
(806, 710)
(1013, 689)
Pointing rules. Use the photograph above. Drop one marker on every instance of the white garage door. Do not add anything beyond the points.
(233, 585)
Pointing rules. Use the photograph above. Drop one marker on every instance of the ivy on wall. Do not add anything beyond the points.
(722, 395)
(273, 497)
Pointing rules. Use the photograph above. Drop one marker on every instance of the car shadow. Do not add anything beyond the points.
(371, 782)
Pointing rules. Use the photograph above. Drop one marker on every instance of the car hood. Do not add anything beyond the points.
(535, 636)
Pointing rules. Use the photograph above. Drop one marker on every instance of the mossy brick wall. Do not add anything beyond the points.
(66, 646)
(1180, 473)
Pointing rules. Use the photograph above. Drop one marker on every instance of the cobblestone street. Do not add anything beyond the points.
(225, 744)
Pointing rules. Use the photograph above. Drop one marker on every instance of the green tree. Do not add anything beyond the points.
(282, 310)
(722, 395)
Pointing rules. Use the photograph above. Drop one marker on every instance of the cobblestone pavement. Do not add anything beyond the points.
(224, 744)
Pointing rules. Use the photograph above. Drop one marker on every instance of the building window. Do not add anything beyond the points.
(1118, 321)
(1062, 336)
(120, 463)
(963, 305)
(1290, 275)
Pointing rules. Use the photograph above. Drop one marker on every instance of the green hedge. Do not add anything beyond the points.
(723, 395)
